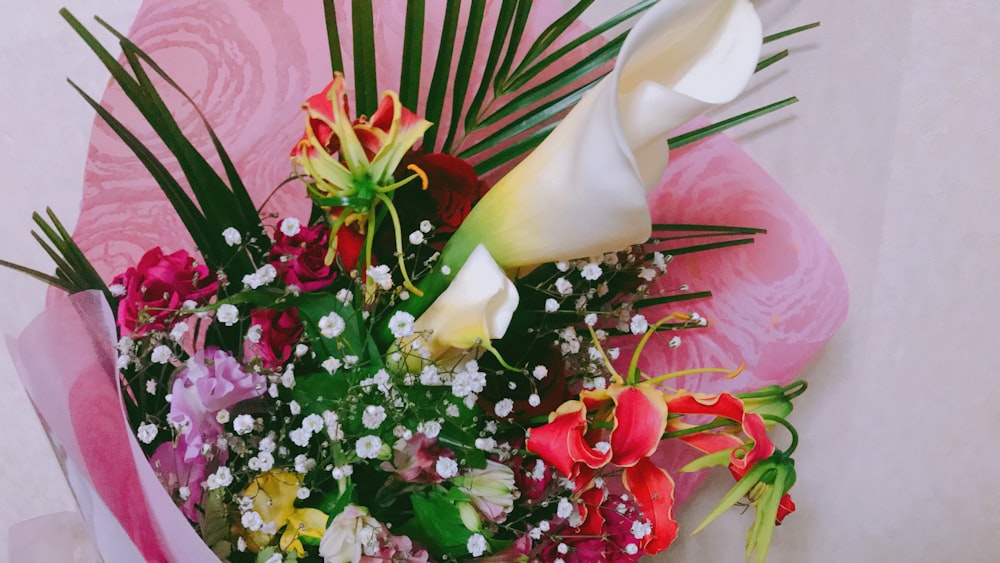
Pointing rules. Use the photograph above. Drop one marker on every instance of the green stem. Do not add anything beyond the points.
(788, 426)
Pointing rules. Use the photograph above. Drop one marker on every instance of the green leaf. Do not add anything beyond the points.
(720, 457)
(353, 341)
(413, 48)
(437, 523)
(501, 32)
(712, 246)
(516, 31)
(213, 520)
(365, 87)
(334, 502)
(442, 70)
(41, 276)
(333, 36)
(764, 63)
(551, 34)
(463, 73)
(701, 133)
(515, 150)
(710, 228)
(787, 32)
(653, 301)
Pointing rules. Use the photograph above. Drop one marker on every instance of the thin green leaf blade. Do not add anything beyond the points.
(788, 32)
(463, 73)
(413, 47)
(553, 32)
(701, 133)
(333, 36)
(442, 70)
(363, 34)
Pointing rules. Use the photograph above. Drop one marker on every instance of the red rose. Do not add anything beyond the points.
(300, 259)
(452, 189)
(156, 288)
(280, 332)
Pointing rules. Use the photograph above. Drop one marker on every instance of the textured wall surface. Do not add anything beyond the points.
(892, 154)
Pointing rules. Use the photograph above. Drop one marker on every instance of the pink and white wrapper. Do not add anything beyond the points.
(249, 66)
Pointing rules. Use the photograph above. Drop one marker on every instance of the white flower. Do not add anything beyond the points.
(178, 331)
(503, 407)
(222, 417)
(674, 342)
(638, 324)
(647, 274)
(380, 276)
(591, 272)
(117, 289)
(540, 372)
(590, 319)
(294, 407)
(430, 428)
(147, 433)
(243, 424)
(252, 521)
(446, 467)
(161, 354)
(582, 192)
(290, 226)
(351, 535)
(227, 314)
(416, 237)
(469, 380)
(430, 375)
(476, 545)
(300, 437)
(301, 350)
(534, 400)
(563, 286)
(313, 423)
(641, 529)
(401, 324)
(332, 325)
(331, 365)
(221, 478)
(551, 305)
(475, 308)
(254, 333)
(333, 429)
(564, 509)
(373, 416)
(232, 236)
(151, 387)
(263, 276)
(304, 463)
(368, 447)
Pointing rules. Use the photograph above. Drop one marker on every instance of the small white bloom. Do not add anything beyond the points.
(252, 521)
(503, 408)
(300, 437)
(416, 237)
(290, 226)
(613, 353)
(660, 262)
(564, 509)
(301, 350)
(350, 361)
(333, 429)
(631, 549)
(551, 305)
(562, 548)
(267, 444)
(445, 270)
(485, 444)
(430, 428)
(674, 342)
(452, 410)
(603, 447)
(563, 286)
(641, 529)
(638, 324)
(430, 375)
(232, 236)
(161, 354)
(227, 314)
(540, 372)
(543, 525)
(304, 463)
(294, 407)
(313, 423)
(117, 289)
(331, 365)
(373, 417)
(222, 417)
(591, 272)
(332, 325)
(446, 467)
(302, 493)
(600, 382)
(184, 493)
(590, 319)
(534, 400)
(222, 478)
(243, 424)
(648, 274)
(476, 545)
(178, 331)
(151, 387)
(254, 333)
(562, 266)
(147, 433)
(425, 226)
(380, 276)
(344, 296)
(288, 377)
(368, 447)
(401, 324)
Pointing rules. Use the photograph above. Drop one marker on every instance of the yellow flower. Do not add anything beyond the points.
(273, 495)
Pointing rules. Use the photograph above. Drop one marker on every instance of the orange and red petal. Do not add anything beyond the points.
(640, 418)
(561, 443)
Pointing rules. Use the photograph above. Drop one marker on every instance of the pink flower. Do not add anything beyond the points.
(280, 332)
(301, 259)
(176, 472)
(156, 288)
(212, 381)
(413, 460)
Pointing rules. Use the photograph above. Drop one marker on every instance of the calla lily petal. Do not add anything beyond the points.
(653, 489)
(582, 192)
(476, 307)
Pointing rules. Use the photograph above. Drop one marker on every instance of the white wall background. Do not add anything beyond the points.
(892, 152)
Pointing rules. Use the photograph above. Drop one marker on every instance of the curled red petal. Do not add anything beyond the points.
(653, 489)
(590, 509)
(785, 507)
(724, 405)
(640, 419)
(561, 443)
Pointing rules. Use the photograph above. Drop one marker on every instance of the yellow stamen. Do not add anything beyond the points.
(684, 372)
(604, 356)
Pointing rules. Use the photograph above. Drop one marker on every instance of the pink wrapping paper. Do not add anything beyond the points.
(249, 66)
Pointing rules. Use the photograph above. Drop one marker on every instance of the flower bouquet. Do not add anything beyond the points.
(448, 319)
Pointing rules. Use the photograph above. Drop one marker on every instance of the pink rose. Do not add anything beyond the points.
(414, 459)
(280, 332)
(300, 259)
(156, 288)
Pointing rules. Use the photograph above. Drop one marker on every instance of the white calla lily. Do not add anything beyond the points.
(475, 308)
(582, 192)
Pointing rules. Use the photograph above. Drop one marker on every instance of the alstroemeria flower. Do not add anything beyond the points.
(475, 308)
(582, 192)
(274, 495)
(490, 490)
